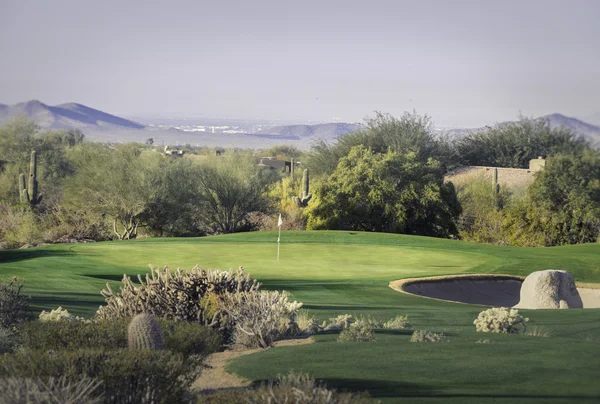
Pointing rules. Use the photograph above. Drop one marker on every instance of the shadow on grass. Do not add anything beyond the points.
(76, 303)
(386, 388)
(7, 256)
(106, 277)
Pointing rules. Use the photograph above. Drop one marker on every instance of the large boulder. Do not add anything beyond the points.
(549, 289)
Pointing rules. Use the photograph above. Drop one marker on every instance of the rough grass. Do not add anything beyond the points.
(347, 272)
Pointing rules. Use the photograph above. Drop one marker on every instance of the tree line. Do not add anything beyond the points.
(388, 177)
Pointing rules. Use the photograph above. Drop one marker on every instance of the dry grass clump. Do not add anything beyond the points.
(15, 390)
(538, 332)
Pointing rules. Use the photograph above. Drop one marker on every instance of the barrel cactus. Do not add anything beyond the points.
(144, 333)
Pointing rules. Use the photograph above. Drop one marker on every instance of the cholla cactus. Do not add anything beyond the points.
(144, 333)
(181, 295)
(398, 323)
(340, 322)
(427, 336)
(59, 314)
(357, 332)
(259, 315)
(501, 320)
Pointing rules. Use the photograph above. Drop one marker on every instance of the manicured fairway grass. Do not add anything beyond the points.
(344, 272)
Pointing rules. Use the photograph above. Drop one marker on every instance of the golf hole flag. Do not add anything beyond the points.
(279, 223)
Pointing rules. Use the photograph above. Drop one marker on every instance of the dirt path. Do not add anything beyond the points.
(215, 377)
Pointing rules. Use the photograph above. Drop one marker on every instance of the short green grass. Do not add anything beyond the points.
(348, 272)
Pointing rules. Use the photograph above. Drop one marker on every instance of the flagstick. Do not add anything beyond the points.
(278, 238)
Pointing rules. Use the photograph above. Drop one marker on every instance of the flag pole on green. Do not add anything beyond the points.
(279, 223)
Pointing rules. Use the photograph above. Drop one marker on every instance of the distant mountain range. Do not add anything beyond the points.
(588, 131)
(101, 126)
(323, 131)
(66, 116)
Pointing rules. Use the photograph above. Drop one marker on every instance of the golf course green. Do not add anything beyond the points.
(334, 272)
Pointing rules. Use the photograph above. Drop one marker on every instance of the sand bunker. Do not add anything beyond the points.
(490, 290)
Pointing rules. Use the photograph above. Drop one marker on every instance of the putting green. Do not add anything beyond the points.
(348, 272)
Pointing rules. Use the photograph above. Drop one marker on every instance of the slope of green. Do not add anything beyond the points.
(348, 272)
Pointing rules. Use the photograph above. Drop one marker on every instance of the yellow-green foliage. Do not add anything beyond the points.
(281, 194)
(501, 320)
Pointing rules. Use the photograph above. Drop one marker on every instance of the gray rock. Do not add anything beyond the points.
(549, 289)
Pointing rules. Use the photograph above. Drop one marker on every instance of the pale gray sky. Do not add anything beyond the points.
(463, 62)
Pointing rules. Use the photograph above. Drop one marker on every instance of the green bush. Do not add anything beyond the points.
(54, 390)
(358, 332)
(427, 336)
(8, 340)
(182, 337)
(501, 320)
(13, 304)
(126, 376)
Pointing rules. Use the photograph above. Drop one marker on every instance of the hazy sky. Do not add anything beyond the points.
(464, 63)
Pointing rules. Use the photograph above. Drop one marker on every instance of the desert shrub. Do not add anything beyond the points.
(179, 336)
(13, 304)
(8, 340)
(126, 376)
(260, 318)
(52, 391)
(292, 388)
(398, 323)
(427, 336)
(179, 295)
(189, 338)
(341, 322)
(60, 335)
(357, 332)
(501, 320)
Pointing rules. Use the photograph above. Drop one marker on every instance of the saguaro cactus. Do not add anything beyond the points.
(29, 192)
(496, 190)
(302, 200)
(144, 333)
(496, 186)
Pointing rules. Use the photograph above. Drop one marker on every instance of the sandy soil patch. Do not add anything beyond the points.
(214, 376)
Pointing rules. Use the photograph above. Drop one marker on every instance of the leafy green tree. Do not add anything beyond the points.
(175, 211)
(514, 144)
(118, 184)
(409, 133)
(231, 187)
(562, 205)
(385, 192)
(482, 209)
(18, 138)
